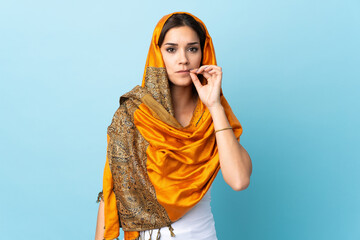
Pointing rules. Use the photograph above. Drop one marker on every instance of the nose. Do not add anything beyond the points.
(183, 58)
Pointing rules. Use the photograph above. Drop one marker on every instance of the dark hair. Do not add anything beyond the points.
(179, 20)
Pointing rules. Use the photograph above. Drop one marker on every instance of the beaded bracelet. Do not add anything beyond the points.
(222, 129)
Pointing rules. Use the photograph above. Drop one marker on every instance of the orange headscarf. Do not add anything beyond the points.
(181, 162)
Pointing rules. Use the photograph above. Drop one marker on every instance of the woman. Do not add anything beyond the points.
(168, 140)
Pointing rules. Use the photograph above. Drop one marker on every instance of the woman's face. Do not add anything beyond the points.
(181, 52)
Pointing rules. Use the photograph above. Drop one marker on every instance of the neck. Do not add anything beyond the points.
(183, 98)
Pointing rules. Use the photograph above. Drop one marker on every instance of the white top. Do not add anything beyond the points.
(196, 224)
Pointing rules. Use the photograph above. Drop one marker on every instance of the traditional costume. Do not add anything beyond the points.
(156, 170)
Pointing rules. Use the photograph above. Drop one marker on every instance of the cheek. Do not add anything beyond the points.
(198, 60)
(164, 58)
(168, 67)
(167, 62)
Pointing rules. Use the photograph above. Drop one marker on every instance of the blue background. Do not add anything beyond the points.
(291, 75)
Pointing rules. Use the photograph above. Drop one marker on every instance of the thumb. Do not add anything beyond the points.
(196, 81)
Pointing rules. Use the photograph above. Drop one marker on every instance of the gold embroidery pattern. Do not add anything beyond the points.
(157, 83)
(136, 200)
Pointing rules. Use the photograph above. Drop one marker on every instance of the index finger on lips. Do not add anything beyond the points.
(197, 70)
(202, 68)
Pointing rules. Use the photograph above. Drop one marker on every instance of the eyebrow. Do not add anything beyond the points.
(175, 44)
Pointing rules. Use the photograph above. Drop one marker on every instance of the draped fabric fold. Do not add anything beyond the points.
(156, 170)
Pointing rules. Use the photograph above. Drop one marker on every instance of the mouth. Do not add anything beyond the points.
(183, 71)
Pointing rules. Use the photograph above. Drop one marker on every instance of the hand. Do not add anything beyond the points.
(210, 93)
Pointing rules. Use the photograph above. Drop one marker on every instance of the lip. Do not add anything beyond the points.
(183, 71)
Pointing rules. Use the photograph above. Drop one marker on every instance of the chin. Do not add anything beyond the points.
(181, 82)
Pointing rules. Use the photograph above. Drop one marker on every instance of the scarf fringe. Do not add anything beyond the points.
(158, 235)
(151, 231)
(100, 197)
(171, 231)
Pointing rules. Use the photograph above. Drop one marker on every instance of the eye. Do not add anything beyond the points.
(193, 49)
(170, 50)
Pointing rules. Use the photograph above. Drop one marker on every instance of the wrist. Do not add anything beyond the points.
(219, 117)
(216, 108)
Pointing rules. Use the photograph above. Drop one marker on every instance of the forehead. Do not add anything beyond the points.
(183, 34)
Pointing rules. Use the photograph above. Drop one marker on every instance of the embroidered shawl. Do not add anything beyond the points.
(156, 170)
